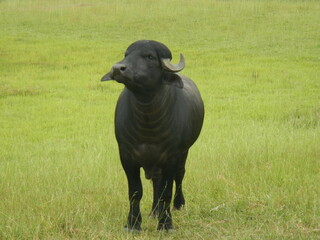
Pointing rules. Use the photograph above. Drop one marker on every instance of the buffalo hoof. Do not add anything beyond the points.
(178, 203)
(178, 207)
(132, 230)
(154, 214)
(165, 227)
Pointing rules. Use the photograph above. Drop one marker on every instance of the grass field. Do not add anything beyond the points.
(254, 172)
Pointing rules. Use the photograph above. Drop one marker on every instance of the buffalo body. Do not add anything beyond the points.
(158, 117)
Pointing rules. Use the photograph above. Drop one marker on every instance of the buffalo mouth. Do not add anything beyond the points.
(130, 82)
(121, 79)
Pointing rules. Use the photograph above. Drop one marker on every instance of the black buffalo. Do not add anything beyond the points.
(158, 117)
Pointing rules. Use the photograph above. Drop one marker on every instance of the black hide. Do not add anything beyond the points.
(158, 117)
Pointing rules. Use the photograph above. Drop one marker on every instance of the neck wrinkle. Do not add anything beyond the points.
(153, 114)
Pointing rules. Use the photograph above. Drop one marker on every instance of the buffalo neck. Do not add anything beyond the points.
(153, 98)
(148, 112)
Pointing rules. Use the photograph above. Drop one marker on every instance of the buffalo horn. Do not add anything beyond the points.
(167, 65)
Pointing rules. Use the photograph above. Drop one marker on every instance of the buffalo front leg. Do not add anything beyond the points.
(165, 196)
(135, 195)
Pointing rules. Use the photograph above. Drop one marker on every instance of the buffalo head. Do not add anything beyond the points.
(145, 67)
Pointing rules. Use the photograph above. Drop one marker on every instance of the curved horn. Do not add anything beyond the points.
(167, 65)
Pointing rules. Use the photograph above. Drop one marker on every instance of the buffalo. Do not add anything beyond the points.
(158, 117)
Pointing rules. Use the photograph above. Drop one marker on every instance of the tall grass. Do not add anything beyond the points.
(254, 172)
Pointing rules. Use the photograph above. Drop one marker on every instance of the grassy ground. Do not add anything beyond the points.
(254, 172)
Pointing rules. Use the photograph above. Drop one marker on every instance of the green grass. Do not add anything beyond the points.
(254, 172)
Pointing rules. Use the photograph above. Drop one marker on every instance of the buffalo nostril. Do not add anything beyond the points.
(118, 67)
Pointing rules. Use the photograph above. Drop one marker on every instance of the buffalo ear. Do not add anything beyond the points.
(173, 79)
(106, 77)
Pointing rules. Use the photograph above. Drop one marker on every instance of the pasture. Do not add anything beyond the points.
(254, 173)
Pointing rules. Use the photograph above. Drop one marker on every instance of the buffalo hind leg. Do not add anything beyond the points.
(155, 204)
(179, 200)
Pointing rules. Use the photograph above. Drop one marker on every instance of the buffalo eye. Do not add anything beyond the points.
(150, 57)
